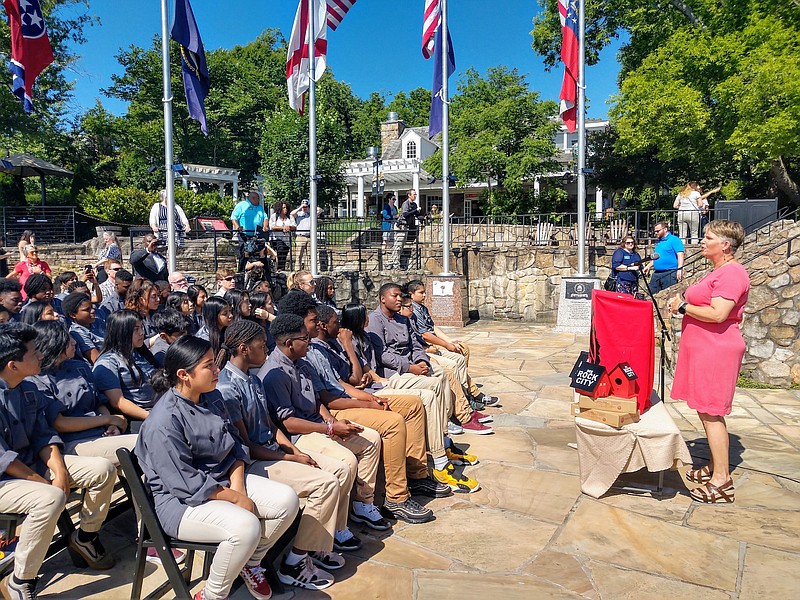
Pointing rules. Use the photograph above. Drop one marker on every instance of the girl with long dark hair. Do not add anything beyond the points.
(325, 291)
(73, 408)
(217, 316)
(239, 301)
(195, 467)
(180, 302)
(198, 296)
(123, 370)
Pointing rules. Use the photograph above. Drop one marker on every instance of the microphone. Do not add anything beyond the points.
(646, 259)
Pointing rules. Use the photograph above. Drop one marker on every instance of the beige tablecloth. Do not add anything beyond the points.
(604, 452)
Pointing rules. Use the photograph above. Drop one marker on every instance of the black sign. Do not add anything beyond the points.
(582, 358)
(586, 376)
(578, 290)
(628, 371)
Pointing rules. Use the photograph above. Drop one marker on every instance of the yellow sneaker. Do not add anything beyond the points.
(459, 457)
(460, 484)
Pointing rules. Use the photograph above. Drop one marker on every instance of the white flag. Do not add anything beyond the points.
(297, 78)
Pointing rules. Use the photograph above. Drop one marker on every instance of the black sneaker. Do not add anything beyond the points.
(18, 590)
(487, 400)
(369, 515)
(91, 552)
(345, 541)
(475, 404)
(409, 511)
(329, 561)
(305, 574)
(428, 486)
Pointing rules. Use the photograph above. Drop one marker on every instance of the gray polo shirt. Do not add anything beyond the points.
(396, 348)
(245, 401)
(24, 430)
(111, 371)
(290, 388)
(186, 451)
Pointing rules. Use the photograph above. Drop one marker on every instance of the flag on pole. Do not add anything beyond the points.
(437, 102)
(30, 47)
(297, 78)
(568, 12)
(337, 9)
(430, 24)
(196, 81)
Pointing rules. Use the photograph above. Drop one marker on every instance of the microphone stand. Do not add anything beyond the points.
(664, 333)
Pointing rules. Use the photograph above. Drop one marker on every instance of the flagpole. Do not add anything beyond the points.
(581, 138)
(312, 134)
(445, 145)
(170, 175)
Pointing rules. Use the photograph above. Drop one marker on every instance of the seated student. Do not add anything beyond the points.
(239, 302)
(33, 312)
(319, 481)
(264, 313)
(180, 301)
(73, 408)
(195, 466)
(198, 296)
(35, 477)
(144, 298)
(113, 301)
(61, 283)
(464, 417)
(11, 297)
(39, 288)
(122, 372)
(217, 316)
(404, 363)
(88, 284)
(451, 353)
(170, 325)
(226, 280)
(79, 310)
(5, 316)
(399, 418)
(289, 385)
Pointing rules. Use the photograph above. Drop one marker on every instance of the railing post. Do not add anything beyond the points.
(216, 257)
(74, 227)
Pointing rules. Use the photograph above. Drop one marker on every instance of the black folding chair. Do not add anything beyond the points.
(151, 535)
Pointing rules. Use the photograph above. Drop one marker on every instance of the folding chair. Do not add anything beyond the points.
(543, 234)
(151, 535)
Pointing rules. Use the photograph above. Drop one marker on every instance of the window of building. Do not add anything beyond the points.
(411, 150)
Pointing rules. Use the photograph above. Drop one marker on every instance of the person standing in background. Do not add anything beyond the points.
(302, 220)
(158, 220)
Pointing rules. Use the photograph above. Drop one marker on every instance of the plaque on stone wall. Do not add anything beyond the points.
(575, 304)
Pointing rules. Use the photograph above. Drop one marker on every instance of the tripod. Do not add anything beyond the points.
(664, 334)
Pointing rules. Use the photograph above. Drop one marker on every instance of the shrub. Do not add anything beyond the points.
(131, 206)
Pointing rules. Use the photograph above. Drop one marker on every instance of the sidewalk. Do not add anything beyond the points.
(530, 533)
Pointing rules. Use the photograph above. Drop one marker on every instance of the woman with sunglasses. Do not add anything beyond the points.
(625, 265)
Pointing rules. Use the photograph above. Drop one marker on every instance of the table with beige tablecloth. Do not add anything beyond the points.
(605, 452)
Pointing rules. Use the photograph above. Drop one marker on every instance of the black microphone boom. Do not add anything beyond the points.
(646, 259)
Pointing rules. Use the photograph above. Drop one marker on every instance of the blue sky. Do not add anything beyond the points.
(377, 47)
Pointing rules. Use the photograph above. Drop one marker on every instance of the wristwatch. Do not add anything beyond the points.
(682, 307)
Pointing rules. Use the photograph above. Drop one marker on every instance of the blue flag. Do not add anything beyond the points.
(436, 91)
(193, 61)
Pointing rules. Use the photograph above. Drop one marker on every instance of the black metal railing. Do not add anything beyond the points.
(50, 224)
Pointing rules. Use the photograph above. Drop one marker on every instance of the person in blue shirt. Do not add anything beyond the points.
(195, 464)
(388, 219)
(668, 268)
(248, 218)
(624, 268)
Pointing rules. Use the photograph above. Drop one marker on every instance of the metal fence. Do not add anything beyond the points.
(51, 224)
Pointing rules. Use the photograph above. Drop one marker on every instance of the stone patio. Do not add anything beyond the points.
(530, 533)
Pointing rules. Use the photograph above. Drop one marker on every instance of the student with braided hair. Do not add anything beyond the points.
(319, 481)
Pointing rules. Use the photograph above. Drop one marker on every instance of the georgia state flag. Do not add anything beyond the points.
(30, 47)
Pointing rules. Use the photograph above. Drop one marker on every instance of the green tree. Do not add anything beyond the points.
(413, 108)
(501, 133)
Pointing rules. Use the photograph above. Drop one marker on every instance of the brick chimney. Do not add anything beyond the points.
(391, 130)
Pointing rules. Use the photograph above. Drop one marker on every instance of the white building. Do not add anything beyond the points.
(400, 164)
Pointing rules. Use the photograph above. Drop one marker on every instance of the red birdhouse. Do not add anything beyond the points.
(590, 379)
(623, 381)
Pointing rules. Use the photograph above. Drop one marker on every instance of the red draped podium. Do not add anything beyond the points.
(623, 331)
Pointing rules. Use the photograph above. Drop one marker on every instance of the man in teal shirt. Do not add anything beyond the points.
(248, 218)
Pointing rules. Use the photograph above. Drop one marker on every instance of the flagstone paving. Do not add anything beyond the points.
(529, 533)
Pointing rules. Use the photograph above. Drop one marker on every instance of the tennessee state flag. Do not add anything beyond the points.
(30, 47)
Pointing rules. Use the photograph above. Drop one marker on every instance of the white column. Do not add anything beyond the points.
(414, 184)
(185, 183)
(221, 187)
(236, 189)
(360, 199)
(598, 200)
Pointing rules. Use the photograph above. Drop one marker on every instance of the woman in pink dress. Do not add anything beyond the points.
(712, 314)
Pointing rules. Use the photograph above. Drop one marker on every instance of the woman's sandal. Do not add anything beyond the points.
(701, 475)
(713, 494)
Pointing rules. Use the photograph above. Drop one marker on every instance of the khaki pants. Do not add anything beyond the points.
(460, 363)
(436, 397)
(42, 504)
(461, 407)
(412, 409)
(102, 447)
(243, 537)
(303, 248)
(361, 452)
(319, 491)
(392, 427)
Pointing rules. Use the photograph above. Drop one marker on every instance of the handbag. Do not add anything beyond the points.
(611, 284)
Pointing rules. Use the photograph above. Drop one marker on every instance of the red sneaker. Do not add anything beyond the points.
(476, 427)
(153, 557)
(256, 582)
(201, 595)
(482, 418)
